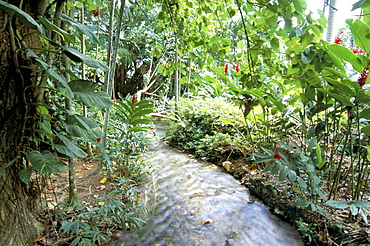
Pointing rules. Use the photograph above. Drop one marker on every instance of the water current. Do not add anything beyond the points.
(197, 204)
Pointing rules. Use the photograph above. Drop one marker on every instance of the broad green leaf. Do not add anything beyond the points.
(142, 112)
(336, 204)
(275, 168)
(292, 175)
(69, 148)
(366, 130)
(322, 212)
(359, 203)
(50, 26)
(346, 101)
(25, 174)
(45, 162)
(365, 113)
(80, 126)
(25, 18)
(140, 122)
(77, 56)
(269, 165)
(347, 55)
(87, 92)
(81, 28)
(306, 59)
(283, 173)
(361, 4)
(302, 202)
(361, 33)
(353, 209)
(64, 87)
(364, 214)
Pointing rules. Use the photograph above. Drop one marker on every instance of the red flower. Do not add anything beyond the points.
(357, 50)
(133, 99)
(98, 140)
(337, 40)
(226, 68)
(237, 68)
(277, 156)
(363, 76)
(114, 100)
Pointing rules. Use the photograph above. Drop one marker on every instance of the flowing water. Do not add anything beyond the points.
(197, 204)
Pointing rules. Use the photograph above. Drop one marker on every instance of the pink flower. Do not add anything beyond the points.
(277, 156)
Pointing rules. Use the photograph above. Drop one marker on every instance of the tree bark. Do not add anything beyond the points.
(18, 224)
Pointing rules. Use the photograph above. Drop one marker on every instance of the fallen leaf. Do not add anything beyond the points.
(101, 203)
(99, 188)
(103, 180)
(254, 172)
(79, 174)
(39, 239)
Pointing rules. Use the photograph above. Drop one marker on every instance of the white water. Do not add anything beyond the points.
(194, 204)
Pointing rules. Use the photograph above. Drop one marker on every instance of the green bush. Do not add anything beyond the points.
(207, 126)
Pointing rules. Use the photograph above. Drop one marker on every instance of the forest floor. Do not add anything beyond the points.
(91, 186)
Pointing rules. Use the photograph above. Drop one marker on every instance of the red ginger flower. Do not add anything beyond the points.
(357, 50)
(363, 76)
(133, 99)
(277, 156)
(337, 40)
(226, 68)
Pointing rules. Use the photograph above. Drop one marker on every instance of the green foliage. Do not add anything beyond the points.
(206, 126)
(306, 230)
(25, 18)
(93, 223)
(88, 93)
(128, 131)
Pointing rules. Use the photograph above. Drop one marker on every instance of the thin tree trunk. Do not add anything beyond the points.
(112, 67)
(331, 19)
(72, 182)
(177, 79)
(83, 77)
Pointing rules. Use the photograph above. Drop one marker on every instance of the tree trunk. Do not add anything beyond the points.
(18, 224)
(331, 20)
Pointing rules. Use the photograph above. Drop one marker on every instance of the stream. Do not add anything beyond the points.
(197, 204)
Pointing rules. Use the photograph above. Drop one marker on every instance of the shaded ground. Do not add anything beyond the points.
(91, 186)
